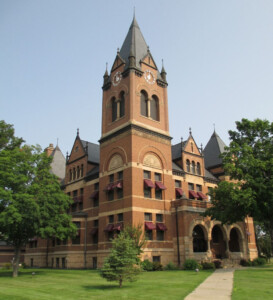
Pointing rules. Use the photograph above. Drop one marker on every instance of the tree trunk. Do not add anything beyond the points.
(120, 282)
(271, 238)
(15, 264)
(47, 246)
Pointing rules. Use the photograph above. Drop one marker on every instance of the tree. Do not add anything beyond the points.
(122, 264)
(32, 203)
(249, 162)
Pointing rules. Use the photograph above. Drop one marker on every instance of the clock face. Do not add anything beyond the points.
(149, 76)
(117, 78)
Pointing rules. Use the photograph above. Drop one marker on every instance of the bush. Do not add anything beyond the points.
(171, 266)
(147, 265)
(7, 266)
(217, 264)
(208, 265)
(191, 264)
(245, 263)
(259, 261)
(157, 266)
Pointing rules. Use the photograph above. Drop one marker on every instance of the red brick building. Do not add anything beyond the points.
(135, 176)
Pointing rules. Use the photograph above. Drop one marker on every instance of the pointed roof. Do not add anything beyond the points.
(58, 163)
(93, 151)
(212, 151)
(134, 44)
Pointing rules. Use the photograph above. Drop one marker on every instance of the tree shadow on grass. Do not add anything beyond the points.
(8, 273)
(104, 287)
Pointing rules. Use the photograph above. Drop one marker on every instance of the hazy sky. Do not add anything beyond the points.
(218, 55)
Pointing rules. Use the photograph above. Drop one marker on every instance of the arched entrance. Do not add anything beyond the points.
(198, 239)
(217, 244)
(234, 241)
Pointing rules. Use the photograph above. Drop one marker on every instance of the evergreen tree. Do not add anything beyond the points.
(122, 264)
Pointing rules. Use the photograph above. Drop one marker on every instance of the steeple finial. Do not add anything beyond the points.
(57, 141)
(181, 143)
(78, 131)
(134, 12)
(190, 130)
(106, 75)
(163, 72)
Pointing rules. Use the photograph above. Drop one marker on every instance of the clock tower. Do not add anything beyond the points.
(135, 144)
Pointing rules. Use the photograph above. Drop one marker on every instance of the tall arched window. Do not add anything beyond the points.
(78, 172)
(154, 105)
(70, 175)
(122, 105)
(193, 167)
(74, 173)
(114, 109)
(198, 168)
(81, 170)
(199, 242)
(188, 165)
(144, 104)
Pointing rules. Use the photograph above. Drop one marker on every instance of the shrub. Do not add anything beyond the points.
(147, 265)
(191, 264)
(208, 265)
(259, 261)
(171, 266)
(157, 266)
(7, 266)
(245, 263)
(217, 264)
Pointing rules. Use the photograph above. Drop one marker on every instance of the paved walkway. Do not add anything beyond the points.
(217, 286)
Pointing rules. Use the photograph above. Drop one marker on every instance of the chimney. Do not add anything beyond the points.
(49, 150)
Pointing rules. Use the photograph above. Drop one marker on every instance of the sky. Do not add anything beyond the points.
(218, 56)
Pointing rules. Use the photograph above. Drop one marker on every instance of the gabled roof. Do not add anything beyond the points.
(93, 151)
(212, 151)
(134, 44)
(176, 150)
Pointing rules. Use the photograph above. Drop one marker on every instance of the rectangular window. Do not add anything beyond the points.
(160, 235)
(147, 192)
(156, 259)
(147, 216)
(63, 262)
(120, 175)
(159, 217)
(96, 202)
(147, 174)
(120, 193)
(177, 183)
(111, 178)
(111, 195)
(57, 262)
(199, 188)
(149, 235)
(96, 186)
(158, 177)
(111, 219)
(191, 186)
(158, 194)
(120, 217)
(77, 239)
(110, 235)
(210, 190)
(96, 223)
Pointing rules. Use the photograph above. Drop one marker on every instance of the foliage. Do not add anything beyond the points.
(135, 233)
(259, 261)
(147, 265)
(122, 264)
(171, 266)
(263, 242)
(206, 265)
(32, 202)
(191, 264)
(245, 262)
(249, 162)
(7, 266)
(217, 264)
(157, 266)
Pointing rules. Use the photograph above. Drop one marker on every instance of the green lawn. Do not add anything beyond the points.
(253, 283)
(87, 284)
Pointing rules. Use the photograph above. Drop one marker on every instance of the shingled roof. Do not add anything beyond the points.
(212, 151)
(93, 151)
(176, 150)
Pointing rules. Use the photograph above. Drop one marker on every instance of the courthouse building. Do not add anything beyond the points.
(136, 176)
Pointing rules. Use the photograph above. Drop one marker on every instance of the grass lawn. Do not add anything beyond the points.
(87, 284)
(253, 283)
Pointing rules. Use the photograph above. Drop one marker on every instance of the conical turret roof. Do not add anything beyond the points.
(134, 44)
(212, 151)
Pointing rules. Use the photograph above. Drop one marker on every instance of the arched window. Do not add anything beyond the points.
(234, 245)
(78, 171)
(199, 242)
(198, 168)
(74, 173)
(188, 165)
(70, 175)
(193, 167)
(122, 105)
(114, 109)
(154, 111)
(144, 104)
